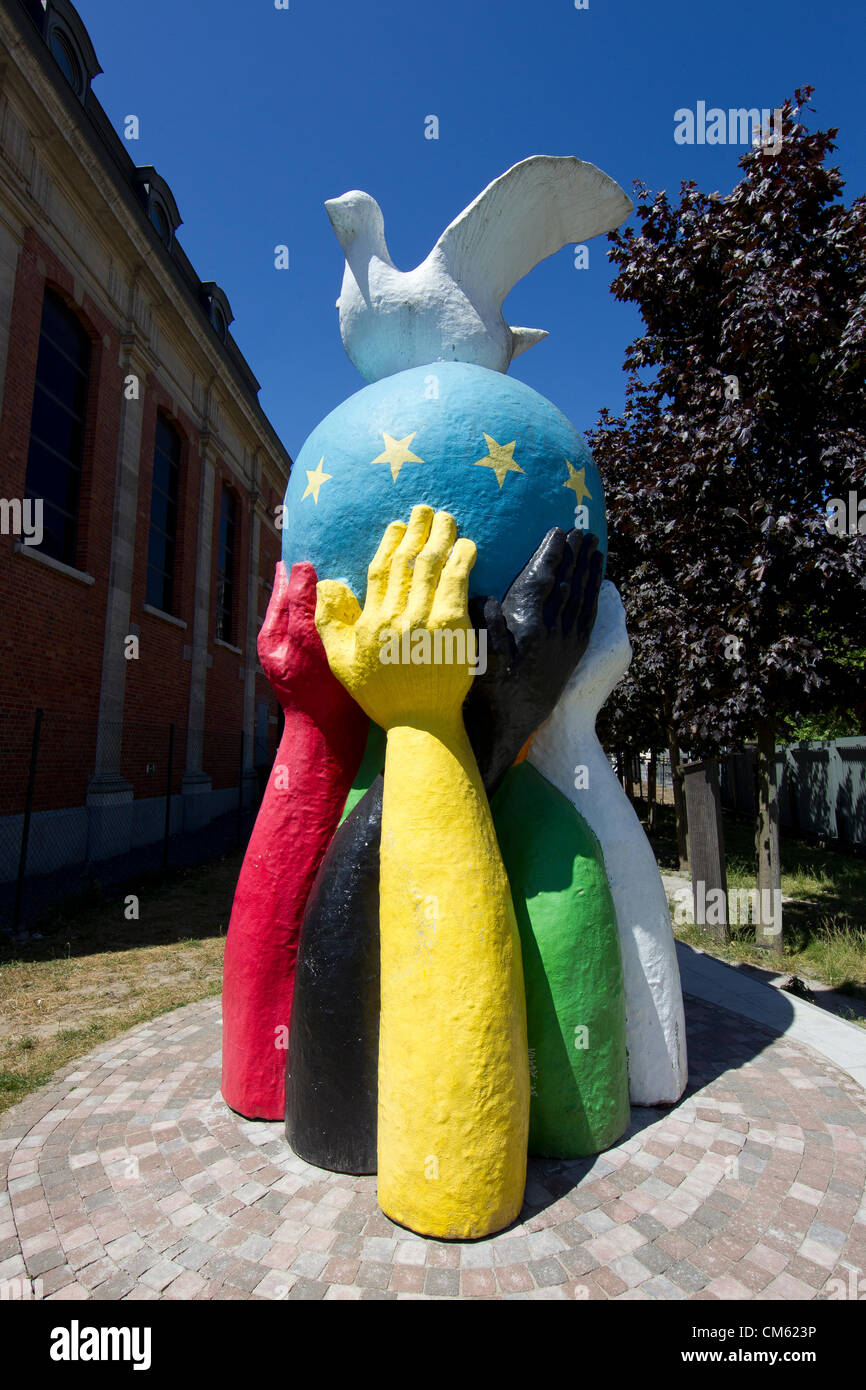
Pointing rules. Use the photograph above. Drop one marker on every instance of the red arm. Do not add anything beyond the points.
(318, 756)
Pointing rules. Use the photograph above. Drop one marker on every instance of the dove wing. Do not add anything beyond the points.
(527, 214)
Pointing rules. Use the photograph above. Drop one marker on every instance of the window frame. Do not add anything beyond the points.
(58, 35)
(225, 610)
(74, 468)
(169, 576)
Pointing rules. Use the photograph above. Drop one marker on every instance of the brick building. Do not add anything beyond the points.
(139, 483)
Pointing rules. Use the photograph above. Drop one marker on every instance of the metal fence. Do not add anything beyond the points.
(821, 788)
(638, 765)
(64, 831)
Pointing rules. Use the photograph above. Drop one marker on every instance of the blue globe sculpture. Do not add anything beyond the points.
(485, 447)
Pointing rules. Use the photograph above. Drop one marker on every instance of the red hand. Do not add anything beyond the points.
(318, 756)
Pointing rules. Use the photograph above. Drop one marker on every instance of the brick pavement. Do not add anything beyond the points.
(127, 1177)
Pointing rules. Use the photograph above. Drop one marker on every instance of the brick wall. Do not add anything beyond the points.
(53, 629)
(51, 637)
(157, 684)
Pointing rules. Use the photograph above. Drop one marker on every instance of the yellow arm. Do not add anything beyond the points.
(453, 1060)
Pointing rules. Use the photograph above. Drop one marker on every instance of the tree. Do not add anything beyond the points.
(745, 414)
(640, 712)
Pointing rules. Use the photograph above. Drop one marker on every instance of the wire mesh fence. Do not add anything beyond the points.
(80, 810)
(635, 772)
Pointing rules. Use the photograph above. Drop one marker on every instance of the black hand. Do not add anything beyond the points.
(535, 639)
(331, 1072)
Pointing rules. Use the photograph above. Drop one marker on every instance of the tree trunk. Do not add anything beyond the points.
(651, 792)
(707, 848)
(624, 763)
(768, 927)
(679, 799)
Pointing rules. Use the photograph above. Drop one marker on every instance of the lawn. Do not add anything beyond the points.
(93, 974)
(824, 927)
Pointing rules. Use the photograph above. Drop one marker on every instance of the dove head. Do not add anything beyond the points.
(358, 225)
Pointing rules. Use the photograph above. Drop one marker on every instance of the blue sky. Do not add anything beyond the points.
(255, 116)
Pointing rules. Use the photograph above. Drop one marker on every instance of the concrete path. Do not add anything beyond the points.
(734, 988)
(743, 989)
(127, 1177)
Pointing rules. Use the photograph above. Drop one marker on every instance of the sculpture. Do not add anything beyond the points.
(658, 1069)
(469, 894)
(319, 754)
(449, 309)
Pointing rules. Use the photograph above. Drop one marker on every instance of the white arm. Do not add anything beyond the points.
(656, 1040)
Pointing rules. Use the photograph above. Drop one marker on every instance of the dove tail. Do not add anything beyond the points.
(523, 338)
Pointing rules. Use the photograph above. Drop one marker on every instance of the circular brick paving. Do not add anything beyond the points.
(128, 1177)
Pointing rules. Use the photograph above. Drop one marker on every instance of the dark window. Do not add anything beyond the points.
(66, 57)
(160, 221)
(226, 565)
(163, 516)
(57, 426)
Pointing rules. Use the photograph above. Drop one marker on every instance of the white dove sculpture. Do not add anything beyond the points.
(449, 309)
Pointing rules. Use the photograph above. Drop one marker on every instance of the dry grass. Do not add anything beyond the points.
(824, 927)
(824, 951)
(93, 973)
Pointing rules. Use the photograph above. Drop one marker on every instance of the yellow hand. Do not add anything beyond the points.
(453, 1060)
(405, 657)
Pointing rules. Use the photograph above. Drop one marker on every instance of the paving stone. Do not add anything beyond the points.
(514, 1278)
(45, 1261)
(308, 1289)
(547, 1271)
(542, 1243)
(648, 1226)
(751, 1187)
(653, 1259)
(309, 1264)
(160, 1275)
(687, 1276)
(373, 1275)
(444, 1282)
(245, 1276)
(478, 1283)
(114, 1288)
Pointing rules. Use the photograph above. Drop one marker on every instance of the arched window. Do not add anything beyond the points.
(64, 52)
(162, 538)
(226, 564)
(69, 43)
(217, 308)
(159, 204)
(159, 218)
(56, 453)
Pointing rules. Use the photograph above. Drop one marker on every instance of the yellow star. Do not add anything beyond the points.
(315, 478)
(577, 483)
(500, 458)
(397, 452)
